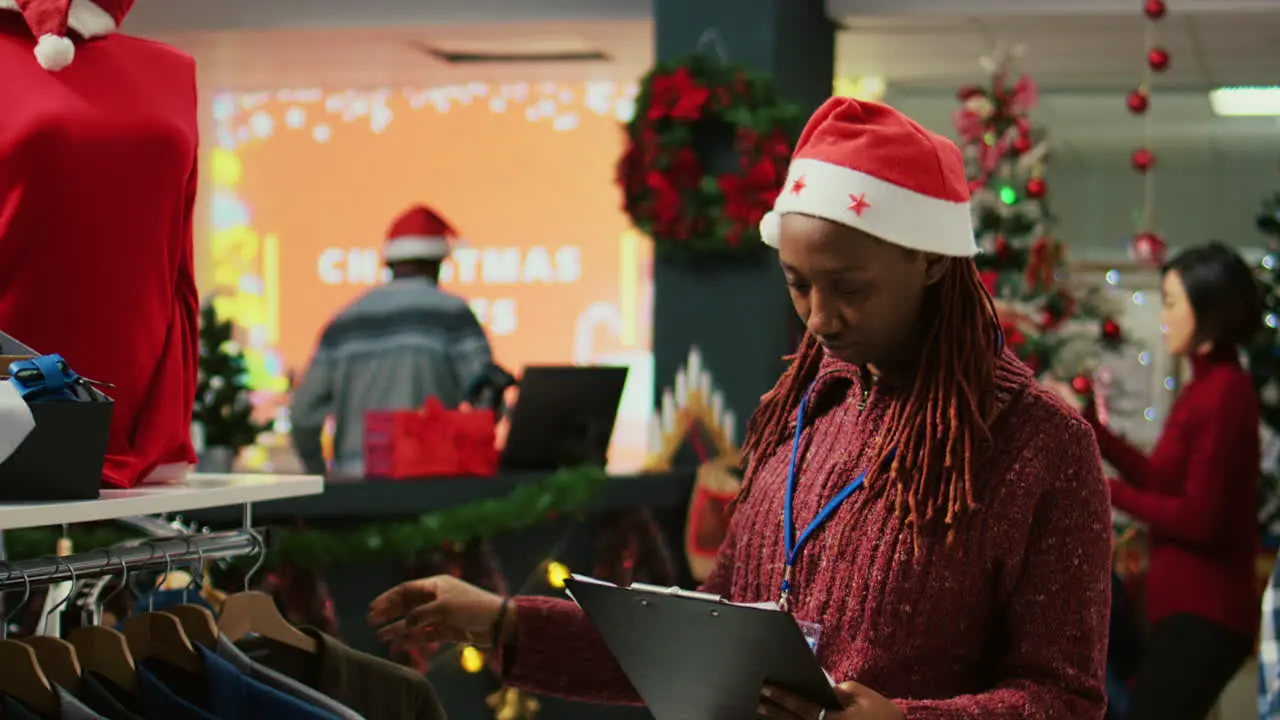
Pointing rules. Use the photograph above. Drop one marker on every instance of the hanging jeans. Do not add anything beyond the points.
(1189, 662)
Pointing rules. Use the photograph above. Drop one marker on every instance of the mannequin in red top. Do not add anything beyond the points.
(1197, 492)
(97, 183)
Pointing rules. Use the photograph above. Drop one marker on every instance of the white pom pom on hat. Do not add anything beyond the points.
(54, 52)
(50, 21)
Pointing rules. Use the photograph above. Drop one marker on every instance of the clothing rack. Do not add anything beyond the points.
(159, 554)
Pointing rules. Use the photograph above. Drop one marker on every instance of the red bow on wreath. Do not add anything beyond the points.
(677, 96)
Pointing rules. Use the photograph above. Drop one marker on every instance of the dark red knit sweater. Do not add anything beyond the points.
(1010, 621)
(1198, 493)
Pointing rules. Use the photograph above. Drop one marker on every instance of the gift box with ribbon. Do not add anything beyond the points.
(429, 442)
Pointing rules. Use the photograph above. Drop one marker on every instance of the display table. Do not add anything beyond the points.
(357, 499)
(197, 491)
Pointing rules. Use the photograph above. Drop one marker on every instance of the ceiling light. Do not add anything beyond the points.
(1250, 101)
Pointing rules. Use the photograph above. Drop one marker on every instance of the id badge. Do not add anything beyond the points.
(812, 634)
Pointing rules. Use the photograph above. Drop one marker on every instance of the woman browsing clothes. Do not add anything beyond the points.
(1197, 491)
(911, 492)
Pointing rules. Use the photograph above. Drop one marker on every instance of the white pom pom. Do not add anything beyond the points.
(54, 52)
(770, 226)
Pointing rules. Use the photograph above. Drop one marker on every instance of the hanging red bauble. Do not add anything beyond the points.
(1154, 9)
(1137, 101)
(1158, 59)
(1147, 248)
(1082, 384)
(1001, 246)
(1142, 160)
(1021, 144)
(1036, 188)
(1110, 329)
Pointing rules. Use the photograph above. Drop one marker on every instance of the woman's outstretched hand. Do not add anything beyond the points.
(860, 703)
(438, 609)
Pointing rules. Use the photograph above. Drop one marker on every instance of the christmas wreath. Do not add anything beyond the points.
(707, 152)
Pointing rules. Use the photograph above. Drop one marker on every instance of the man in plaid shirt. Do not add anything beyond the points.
(1269, 650)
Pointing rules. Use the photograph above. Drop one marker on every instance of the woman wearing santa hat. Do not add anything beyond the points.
(910, 489)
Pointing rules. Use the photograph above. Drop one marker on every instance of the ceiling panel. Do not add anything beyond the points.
(1083, 64)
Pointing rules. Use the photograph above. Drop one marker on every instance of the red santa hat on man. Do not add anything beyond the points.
(50, 20)
(419, 234)
(870, 167)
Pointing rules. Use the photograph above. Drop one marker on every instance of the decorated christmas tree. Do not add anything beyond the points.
(1264, 365)
(1050, 327)
(223, 409)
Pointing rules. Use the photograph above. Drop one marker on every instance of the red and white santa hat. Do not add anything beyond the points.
(419, 234)
(50, 20)
(870, 167)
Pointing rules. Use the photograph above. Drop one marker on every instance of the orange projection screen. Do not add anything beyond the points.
(306, 182)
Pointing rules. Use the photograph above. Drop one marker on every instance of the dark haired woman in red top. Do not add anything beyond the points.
(1197, 492)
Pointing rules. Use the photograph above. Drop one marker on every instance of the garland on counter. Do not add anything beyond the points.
(708, 149)
(569, 490)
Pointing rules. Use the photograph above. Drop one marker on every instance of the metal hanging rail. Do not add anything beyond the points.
(158, 554)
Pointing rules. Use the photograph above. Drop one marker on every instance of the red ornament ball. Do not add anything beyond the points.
(1082, 384)
(1158, 59)
(1148, 248)
(1137, 101)
(1142, 160)
(1154, 9)
(1036, 188)
(1021, 144)
(1110, 329)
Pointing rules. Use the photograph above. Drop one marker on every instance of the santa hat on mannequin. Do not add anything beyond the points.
(870, 167)
(419, 234)
(50, 21)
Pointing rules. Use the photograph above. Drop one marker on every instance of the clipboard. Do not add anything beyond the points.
(694, 656)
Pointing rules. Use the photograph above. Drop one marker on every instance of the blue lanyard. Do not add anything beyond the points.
(791, 544)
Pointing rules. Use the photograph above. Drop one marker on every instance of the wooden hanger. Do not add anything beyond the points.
(198, 623)
(24, 681)
(159, 636)
(250, 612)
(106, 652)
(55, 656)
(57, 659)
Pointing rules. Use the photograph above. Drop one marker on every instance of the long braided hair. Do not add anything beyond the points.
(934, 433)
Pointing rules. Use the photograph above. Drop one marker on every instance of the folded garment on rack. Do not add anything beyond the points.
(16, 420)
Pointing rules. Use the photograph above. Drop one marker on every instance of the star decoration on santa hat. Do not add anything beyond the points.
(798, 186)
(858, 203)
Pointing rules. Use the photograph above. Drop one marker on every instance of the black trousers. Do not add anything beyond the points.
(1188, 663)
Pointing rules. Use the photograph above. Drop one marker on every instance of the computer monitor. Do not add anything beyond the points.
(563, 417)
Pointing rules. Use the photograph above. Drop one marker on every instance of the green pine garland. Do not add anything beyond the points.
(708, 150)
(566, 491)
